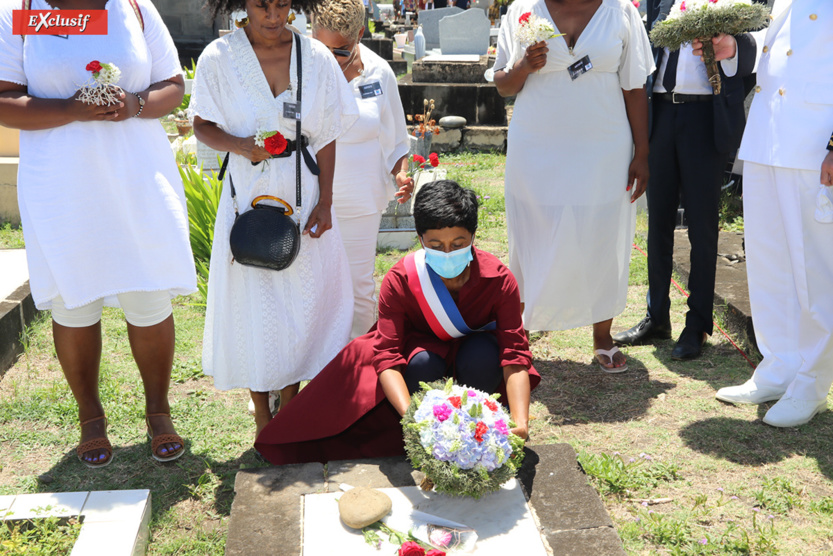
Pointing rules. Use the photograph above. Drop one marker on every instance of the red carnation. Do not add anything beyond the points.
(524, 18)
(480, 430)
(455, 401)
(435, 552)
(94, 66)
(411, 548)
(419, 159)
(434, 159)
(491, 405)
(275, 144)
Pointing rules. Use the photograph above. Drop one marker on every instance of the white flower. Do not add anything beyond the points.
(109, 74)
(533, 29)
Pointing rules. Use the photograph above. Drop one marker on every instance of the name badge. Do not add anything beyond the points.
(581, 67)
(292, 110)
(371, 90)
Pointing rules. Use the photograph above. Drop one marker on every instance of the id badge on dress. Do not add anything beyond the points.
(371, 90)
(292, 110)
(581, 67)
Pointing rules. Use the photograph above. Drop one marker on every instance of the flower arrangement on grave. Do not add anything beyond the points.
(460, 439)
(424, 126)
(533, 29)
(273, 141)
(409, 545)
(101, 88)
(702, 19)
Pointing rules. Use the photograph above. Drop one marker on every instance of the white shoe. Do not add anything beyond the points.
(789, 412)
(274, 402)
(748, 392)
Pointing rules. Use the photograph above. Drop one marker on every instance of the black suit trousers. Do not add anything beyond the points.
(684, 164)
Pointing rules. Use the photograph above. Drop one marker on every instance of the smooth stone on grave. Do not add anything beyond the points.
(465, 33)
(430, 21)
(452, 122)
(360, 506)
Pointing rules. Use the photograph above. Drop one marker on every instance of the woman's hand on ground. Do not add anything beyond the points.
(83, 112)
(535, 56)
(320, 220)
(405, 185)
(638, 176)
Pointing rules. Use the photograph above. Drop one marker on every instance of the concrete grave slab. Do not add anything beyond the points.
(465, 33)
(430, 21)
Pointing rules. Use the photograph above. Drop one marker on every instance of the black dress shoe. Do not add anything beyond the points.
(647, 329)
(689, 345)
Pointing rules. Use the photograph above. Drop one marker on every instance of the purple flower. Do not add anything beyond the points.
(733, 498)
(631, 460)
(487, 197)
(719, 489)
(756, 509)
(473, 393)
(645, 504)
(704, 541)
(442, 412)
(770, 516)
(501, 427)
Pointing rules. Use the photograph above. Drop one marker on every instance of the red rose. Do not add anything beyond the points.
(94, 66)
(480, 430)
(434, 159)
(491, 405)
(275, 144)
(435, 552)
(455, 401)
(418, 159)
(524, 18)
(411, 548)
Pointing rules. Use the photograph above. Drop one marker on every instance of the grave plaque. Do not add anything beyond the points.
(430, 21)
(465, 33)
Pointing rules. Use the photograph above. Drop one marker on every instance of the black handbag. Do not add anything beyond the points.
(266, 236)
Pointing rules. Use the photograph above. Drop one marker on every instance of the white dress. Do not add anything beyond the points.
(266, 329)
(363, 185)
(570, 221)
(102, 203)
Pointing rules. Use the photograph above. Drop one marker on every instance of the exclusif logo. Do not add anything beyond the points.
(59, 22)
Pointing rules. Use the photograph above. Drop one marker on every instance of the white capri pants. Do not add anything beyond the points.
(140, 309)
(358, 234)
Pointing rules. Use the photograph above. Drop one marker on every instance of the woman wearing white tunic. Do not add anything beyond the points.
(371, 151)
(101, 201)
(577, 146)
(268, 330)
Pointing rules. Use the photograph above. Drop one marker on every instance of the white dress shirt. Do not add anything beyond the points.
(692, 78)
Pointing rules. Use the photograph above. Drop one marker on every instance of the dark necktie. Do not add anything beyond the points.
(669, 80)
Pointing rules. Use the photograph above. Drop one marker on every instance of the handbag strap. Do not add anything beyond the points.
(298, 139)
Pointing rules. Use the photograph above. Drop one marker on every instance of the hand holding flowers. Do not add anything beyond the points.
(100, 89)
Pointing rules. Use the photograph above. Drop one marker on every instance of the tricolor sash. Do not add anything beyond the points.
(436, 302)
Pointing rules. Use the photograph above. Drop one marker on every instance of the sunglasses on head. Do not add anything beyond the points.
(342, 52)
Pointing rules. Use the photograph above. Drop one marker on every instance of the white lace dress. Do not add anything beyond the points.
(265, 329)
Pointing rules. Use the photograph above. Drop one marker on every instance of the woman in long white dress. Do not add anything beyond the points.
(577, 159)
(101, 201)
(369, 154)
(268, 330)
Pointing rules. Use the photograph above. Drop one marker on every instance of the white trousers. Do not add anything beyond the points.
(790, 273)
(359, 235)
(140, 309)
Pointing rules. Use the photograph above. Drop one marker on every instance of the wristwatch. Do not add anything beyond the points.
(141, 105)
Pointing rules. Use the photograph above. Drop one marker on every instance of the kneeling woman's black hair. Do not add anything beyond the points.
(444, 204)
(224, 7)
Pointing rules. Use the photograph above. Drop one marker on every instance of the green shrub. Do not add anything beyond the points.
(202, 193)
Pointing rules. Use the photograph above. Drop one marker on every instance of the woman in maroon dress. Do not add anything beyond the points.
(447, 310)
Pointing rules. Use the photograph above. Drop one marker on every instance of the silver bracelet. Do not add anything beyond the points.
(141, 105)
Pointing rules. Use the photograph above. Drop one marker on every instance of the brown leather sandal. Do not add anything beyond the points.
(100, 443)
(156, 441)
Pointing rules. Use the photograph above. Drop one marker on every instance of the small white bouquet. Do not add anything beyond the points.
(533, 29)
(101, 88)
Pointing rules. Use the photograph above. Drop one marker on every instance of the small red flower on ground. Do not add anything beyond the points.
(94, 66)
(411, 548)
(455, 401)
(480, 430)
(434, 159)
(275, 144)
(524, 18)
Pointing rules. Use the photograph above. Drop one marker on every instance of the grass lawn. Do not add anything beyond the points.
(679, 472)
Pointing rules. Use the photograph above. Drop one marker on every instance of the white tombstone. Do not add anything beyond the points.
(430, 21)
(465, 33)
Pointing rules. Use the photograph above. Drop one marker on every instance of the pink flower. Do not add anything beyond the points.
(500, 426)
(442, 412)
(635, 3)
(440, 537)
(682, 7)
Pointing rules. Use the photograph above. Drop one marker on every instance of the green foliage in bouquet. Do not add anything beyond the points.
(447, 476)
(708, 21)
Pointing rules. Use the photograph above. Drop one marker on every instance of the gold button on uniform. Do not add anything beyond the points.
(766, 48)
(781, 91)
(813, 17)
(790, 52)
(757, 88)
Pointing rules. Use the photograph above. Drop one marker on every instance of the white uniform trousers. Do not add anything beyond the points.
(359, 235)
(790, 272)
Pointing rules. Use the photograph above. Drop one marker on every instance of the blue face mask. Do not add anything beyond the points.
(449, 265)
